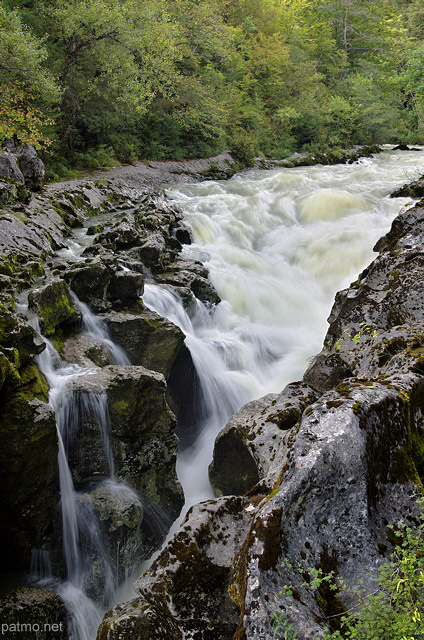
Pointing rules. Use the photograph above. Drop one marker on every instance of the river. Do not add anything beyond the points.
(278, 244)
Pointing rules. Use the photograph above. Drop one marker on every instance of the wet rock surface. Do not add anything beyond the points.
(143, 436)
(114, 224)
(328, 464)
(147, 338)
(185, 592)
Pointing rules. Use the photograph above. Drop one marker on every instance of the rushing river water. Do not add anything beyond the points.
(278, 244)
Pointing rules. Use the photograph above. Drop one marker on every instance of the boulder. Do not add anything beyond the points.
(86, 350)
(53, 305)
(147, 338)
(31, 165)
(9, 168)
(30, 613)
(124, 288)
(351, 472)
(191, 276)
(142, 432)
(119, 512)
(185, 592)
(252, 447)
(90, 283)
(21, 164)
(414, 189)
(152, 252)
(19, 342)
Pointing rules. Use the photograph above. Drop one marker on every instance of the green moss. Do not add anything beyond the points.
(268, 531)
(272, 494)
(333, 404)
(8, 370)
(7, 268)
(356, 408)
(121, 407)
(328, 600)
(33, 384)
(53, 304)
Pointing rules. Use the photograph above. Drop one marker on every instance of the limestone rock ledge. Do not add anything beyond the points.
(324, 467)
(128, 233)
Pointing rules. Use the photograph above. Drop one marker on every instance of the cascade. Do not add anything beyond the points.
(92, 573)
(278, 245)
(222, 390)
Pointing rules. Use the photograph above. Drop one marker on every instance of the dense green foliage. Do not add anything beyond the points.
(395, 611)
(109, 81)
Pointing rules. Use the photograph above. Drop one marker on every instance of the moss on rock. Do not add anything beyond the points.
(53, 304)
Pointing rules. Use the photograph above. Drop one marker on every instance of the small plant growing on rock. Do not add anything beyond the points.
(396, 610)
(364, 330)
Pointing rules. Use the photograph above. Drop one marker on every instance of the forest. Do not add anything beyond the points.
(91, 83)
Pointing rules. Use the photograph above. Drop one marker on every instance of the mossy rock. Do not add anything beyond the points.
(28, 451)
(148, 339)
(30, 613)
(52, 303)
(16, 334)
(90, 283)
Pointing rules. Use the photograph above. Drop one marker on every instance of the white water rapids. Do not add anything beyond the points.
(278, 245)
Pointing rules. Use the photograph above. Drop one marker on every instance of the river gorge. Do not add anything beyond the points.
(161, 345)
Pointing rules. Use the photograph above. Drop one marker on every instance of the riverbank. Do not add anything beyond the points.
(157, 173)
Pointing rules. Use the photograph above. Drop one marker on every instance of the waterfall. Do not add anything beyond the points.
(95, 326)
(222, 390)
(278, 243)
(92, 576)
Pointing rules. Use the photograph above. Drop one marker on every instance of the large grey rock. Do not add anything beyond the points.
(31, 165)
(142, 432)
(351, 472)
(86, 350)
(90, 283)
(9, 168)
(252, 447)
(185, 592)
(147, 338)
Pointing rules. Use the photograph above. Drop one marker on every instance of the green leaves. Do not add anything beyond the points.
(396, 610)
(26, 86)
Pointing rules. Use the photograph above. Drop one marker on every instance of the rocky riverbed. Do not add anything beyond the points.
(312, 475)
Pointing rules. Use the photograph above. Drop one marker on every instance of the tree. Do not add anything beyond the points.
(111, 58)
(27, 88)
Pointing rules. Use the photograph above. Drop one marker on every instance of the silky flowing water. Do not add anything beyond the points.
(83, 539)
(279, 244)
